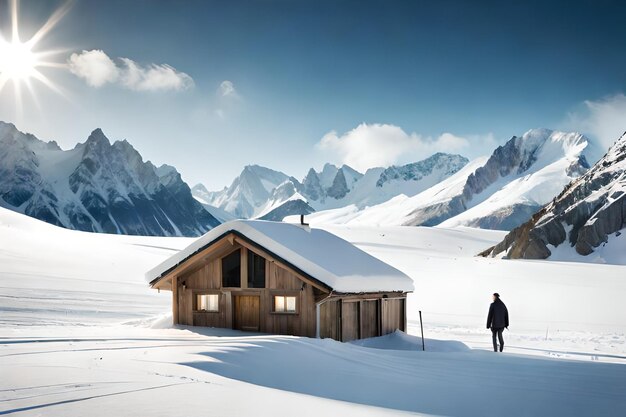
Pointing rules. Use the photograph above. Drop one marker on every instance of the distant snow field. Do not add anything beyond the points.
(82, 334)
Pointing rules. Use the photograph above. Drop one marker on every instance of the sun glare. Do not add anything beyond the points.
(20, 62)
(17, 60)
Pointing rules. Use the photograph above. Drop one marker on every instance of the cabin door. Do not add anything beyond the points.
(247, 313)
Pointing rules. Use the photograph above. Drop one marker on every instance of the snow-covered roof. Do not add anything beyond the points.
(318, 253)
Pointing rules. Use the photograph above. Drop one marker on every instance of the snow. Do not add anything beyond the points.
(364, 191)
(322, 255)
(591, 195)
(76, 276)
(129, 371)
(259, 196)
(611, 252)
(274, 203)
(218, 213)
(82, 334)
(454, 286)
(397, 210)
(247, 193)
(553, 151)
(399, 340)
(536, 186)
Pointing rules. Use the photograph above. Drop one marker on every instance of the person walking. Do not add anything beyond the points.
(497, 321)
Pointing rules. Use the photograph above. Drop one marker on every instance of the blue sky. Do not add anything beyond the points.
(293, 84)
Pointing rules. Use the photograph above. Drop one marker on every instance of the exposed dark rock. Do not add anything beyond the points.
(339, 189)
(515, 157)
(591, 207)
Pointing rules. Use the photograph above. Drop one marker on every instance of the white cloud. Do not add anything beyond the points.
(227, 89)
(376, 145)
(604, 120)
(97, 69)
(227, 99)
(153, 77)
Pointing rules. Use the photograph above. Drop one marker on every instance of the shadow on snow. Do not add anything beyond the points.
(442, 383)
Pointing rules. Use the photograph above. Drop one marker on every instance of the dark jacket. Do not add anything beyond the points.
(498, 315)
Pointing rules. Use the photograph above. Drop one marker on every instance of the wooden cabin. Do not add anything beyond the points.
(283, 278)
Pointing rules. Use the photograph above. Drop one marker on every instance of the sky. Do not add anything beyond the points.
(211, 86)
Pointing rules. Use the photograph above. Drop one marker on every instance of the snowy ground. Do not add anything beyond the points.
(78, 336)
(579, 305)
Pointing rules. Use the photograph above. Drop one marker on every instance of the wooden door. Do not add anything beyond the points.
(247, 313)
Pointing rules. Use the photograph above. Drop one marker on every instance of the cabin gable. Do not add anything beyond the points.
(246, 306)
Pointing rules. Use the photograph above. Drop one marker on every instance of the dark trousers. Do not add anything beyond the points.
(497, 332)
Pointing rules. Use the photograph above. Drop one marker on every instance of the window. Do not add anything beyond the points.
(256, 270)
(231, 269)
(208, 302)
(284, 304)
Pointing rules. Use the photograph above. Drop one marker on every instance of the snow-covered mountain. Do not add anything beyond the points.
(202, 195)
(263, 193)
(96, 187)
(587, 217)
(247, 194)
(378, 185)
(499, 192)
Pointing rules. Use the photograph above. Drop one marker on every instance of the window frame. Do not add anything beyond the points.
(201, 293)
(286, 294)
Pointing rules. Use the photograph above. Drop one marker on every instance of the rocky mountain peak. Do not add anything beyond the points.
(519, 154)
(339, 188)
(168, 175)
(97, 136)
(97, 187)
(584, 215)
(53, 145)
(9, 133)
(312, 187)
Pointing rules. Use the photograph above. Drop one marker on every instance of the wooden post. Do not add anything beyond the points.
(175, 299)
(360, 315)
(244, 268)
(422, 328)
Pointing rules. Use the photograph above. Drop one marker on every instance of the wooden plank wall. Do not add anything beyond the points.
(206, 278)
(329, 319)
(350, 320)
(370, 318)
(350, 317)
(282, 281)
(393, 311)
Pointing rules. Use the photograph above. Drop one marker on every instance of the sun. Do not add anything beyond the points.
(20, 62)
(17, 60)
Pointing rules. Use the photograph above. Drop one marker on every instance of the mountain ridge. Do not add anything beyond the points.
(97, 187)
(588, 213)
(328, 188)
(500, 191)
